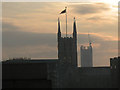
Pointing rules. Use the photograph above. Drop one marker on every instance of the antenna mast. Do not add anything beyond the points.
(89, 40)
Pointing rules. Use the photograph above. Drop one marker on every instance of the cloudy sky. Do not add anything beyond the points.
(30, 29)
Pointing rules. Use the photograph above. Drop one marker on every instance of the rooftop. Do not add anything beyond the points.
(29, 60)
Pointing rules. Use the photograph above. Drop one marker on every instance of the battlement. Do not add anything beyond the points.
(115, 58)
(85, 47)
(67, 37)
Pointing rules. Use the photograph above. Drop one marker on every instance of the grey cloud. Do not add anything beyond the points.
(90, 8)
(8, 26)
(16, 41)
(15, 37)
(94, 18)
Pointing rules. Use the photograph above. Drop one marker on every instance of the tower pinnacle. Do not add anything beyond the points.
(59, 32)
(59, 25)
(74, 29)
(89, 40)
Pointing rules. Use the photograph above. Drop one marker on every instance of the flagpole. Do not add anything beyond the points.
(66, 21)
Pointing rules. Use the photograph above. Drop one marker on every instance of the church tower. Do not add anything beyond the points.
(86, 55)
(67, 47)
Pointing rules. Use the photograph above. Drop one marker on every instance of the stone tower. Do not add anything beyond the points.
(86, 56)
(67, 47)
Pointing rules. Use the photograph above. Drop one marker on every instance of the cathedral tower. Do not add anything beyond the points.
(67, 47)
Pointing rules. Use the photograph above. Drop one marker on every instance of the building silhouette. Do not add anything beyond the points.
(59, 73)
(67, 47)
(28, 73)
(86, 56)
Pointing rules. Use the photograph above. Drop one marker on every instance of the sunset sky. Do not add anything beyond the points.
(30, 28)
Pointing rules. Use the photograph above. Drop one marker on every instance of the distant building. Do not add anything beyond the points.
(86, 56)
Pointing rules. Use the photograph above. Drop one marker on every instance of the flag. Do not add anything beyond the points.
(64, 11)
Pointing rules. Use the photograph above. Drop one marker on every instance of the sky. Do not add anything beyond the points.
(29, 29)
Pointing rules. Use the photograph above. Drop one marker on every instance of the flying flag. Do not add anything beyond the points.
(64, 11)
